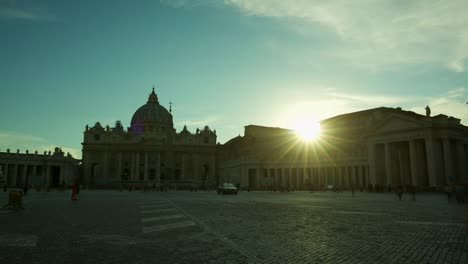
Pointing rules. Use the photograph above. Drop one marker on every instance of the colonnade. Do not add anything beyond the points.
(423, 162)
(342, 176)
(19, 174)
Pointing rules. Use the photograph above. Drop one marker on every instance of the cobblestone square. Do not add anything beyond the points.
(252, 227)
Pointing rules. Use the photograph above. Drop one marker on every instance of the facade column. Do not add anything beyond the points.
(431, 166)
(388, 164)
(119, 166)
(158, 169)
(137, 170)
(105, 170)
(212, 169)
(360, 173)
(414, 163)
(146, 167)
(448, 162)
(132, 167)
(182, 174)
(259, 176)
(244, 180)
(62, 174)
(195, 168)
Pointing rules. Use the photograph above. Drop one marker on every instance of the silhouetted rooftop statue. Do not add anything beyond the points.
(428, 111)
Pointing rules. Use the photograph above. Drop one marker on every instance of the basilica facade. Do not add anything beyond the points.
(380, 147)
(149, 152)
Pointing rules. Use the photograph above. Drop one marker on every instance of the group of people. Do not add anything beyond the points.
(455, 194)
(410, 189)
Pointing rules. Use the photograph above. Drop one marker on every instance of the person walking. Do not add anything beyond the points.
(399, 192)
(78, 188)
(74, 189)
(412, 191)
(448, 193)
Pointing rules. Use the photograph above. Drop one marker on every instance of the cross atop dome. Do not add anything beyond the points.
(152, 97)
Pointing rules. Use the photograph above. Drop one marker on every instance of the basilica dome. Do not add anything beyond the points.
(151, 114)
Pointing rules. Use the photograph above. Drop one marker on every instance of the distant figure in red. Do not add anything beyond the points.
(74, 192)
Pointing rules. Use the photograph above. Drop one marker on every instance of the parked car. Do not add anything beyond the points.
(227, 188)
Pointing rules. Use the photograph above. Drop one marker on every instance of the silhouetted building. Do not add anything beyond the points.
(381, 146)
(149, 152)
(47, 169)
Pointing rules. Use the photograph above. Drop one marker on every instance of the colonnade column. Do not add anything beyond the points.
(413, 163)
(6, 172)
(34, 172)
(461, 161)
(388, 164)
(345, 176)
(448, 161)
(430, 162)
(47, 175)
(371, 159)
(341, 176)
(23, 176)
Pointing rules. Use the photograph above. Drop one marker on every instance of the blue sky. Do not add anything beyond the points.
(225, 64)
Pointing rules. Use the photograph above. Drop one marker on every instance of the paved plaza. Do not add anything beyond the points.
(252, 227)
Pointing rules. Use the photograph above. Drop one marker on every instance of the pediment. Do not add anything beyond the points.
(396, 123)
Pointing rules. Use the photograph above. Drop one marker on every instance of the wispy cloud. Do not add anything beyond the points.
(376, 100)
(198, 123)
(381, 33)
(14, 137)
(452, 103)
(14, 140)
(9, 10)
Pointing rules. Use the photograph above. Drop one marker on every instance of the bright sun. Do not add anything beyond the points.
(308, 131)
